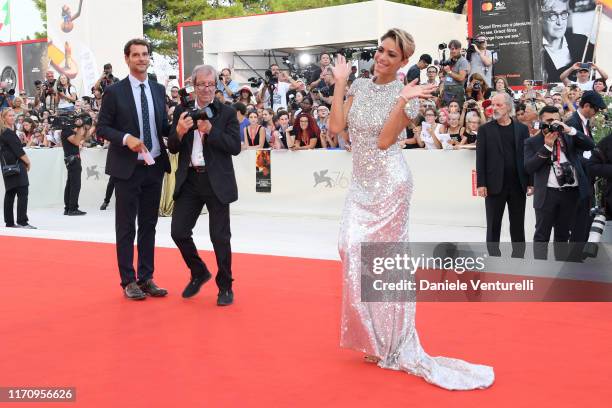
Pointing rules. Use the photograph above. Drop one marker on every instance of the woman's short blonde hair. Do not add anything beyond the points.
(403, 40)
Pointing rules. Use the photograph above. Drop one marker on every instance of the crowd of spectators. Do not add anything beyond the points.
(290, 112)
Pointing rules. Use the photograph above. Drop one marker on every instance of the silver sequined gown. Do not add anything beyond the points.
(376, 210)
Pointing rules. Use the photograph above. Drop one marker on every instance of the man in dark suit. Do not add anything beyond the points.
(552, 157)
(205, 176)
(500, 173)
(132, 118)
(600, 165)
(590, 103)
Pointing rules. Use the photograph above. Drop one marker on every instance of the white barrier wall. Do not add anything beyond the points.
(442, 179)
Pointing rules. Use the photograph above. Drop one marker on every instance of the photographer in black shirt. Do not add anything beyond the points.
(107, 78)
(73, 137)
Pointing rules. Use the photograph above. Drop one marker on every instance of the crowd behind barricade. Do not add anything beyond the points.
(287, 111)
(283, 111)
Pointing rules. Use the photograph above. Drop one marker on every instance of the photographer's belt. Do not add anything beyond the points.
(565, 188)
(198, 169)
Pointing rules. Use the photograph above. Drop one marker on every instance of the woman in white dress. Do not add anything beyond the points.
(376, 210)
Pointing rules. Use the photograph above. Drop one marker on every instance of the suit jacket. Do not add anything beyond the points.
(575, 122)
(11, 150)
(600, 165)
(219, 146)
(575, 43)
(490, 156)
(118, 116)
(538, 161)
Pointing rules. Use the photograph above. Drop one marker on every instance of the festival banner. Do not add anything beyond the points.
(34, 64)
(192, 46)
(526, 36)
(263, 177)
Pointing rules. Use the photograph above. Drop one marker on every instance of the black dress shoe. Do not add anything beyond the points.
(26, 226)
(104, 205)
(225, 298)
(150, 288)
(194, 285)
(132, 291)
(66, 212)
(76, 212)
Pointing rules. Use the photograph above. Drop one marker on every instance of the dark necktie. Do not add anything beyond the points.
(146, 125)
(587, 127)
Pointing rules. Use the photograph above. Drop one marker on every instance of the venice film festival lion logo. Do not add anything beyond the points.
(326, 179)
(92, 171)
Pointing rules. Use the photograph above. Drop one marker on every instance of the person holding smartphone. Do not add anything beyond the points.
(227, 85)
(583, 76)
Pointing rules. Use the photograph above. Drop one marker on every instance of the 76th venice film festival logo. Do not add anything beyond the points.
(335, 179)
(92, 171)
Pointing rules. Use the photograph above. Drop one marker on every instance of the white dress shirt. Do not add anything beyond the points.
(585, 129)
(197, 150)
(135, 84)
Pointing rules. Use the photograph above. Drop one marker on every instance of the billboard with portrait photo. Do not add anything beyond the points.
(535, 39)
(565, 37)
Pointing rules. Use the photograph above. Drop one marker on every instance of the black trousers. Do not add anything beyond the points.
(22, 206)
(195, 193)
(558, 212)
(495, 205)
(137, 196)
(581, 226)
(73, 186)
(110, 187)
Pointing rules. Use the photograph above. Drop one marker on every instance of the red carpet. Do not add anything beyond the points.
(65, 323)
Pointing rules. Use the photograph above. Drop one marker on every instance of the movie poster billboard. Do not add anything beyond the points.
(534, 39)
(263, 172)
(35, 62)
(192, 44)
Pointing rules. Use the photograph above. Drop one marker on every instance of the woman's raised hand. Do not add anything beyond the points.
(412, 90)
(342, 69)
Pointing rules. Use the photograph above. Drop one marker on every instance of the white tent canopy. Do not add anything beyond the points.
(329, 28)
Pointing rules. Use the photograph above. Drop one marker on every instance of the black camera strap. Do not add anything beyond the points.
(558, 169)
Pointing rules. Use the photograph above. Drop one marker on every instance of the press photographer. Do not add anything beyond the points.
(456, 69)
(6, 97)
(45, 92)
(74, 132)
(552, 158)
(590, 104)
(600, 165)
(326, 93)
(277, 84)
(205, 176)
(227, 85)
(65, 96)
(107, 78)
(480, 59)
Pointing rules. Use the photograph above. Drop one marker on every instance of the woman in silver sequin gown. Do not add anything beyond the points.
(376, 210)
